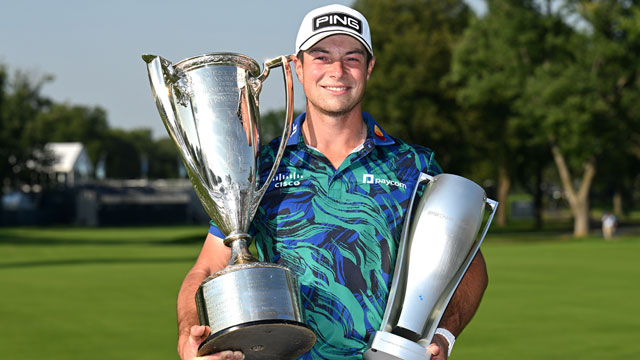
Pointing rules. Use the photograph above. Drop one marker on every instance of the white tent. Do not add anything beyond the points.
(71, 162)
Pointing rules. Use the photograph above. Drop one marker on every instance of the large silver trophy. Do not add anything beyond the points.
(209, 105)
(437, 246)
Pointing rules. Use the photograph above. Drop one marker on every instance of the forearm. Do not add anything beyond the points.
(214, 256)
(187, 313)
(466, 299)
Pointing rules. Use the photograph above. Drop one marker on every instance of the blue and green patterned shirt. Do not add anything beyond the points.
(338, 230)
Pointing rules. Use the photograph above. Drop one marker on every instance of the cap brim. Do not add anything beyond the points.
(307, 44)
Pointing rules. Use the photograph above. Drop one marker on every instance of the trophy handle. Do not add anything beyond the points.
(161, 75)
(286, 132)
(444, 300)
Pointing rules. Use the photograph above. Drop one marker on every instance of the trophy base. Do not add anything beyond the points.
(254, 308)
(388, 346)
(264, 340)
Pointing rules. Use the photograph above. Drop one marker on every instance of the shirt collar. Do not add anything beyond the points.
(374, 131)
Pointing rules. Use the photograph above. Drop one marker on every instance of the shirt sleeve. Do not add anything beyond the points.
(213, 230)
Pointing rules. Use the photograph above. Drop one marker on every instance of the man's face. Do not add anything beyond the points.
(334, 74)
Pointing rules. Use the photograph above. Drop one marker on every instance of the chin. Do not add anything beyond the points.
(337, 109)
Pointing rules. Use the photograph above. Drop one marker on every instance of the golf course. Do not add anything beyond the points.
(109, 293)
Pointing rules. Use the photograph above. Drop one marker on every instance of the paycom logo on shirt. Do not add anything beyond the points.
(370, 179)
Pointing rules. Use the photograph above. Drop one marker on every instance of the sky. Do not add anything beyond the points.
(93, 48)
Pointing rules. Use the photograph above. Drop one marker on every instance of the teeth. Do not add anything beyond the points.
(336, 88)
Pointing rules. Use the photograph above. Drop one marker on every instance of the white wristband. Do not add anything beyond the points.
(449, 336)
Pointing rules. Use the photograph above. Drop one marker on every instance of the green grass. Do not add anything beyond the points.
(557, 298)
(92, 293)
(70, 293)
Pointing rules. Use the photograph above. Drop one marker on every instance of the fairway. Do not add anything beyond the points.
(110, 294)
(560, 299)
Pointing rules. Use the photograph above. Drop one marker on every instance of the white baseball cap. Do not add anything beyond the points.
(331, 20)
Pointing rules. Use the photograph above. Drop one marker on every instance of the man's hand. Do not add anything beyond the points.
(438, 348)
(189, 348)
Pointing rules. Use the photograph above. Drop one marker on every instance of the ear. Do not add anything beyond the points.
(370, 67)
(298, 65)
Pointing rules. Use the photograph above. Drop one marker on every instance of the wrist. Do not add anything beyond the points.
(448, 336)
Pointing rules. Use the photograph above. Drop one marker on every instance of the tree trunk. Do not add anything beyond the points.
(504, 183)
(617, 203)
(537, 199)
(578, 199)
(581, 217)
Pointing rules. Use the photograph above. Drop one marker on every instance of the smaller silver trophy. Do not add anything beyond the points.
(437, 246)
(209, 105)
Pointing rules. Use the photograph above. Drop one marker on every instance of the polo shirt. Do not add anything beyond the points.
(338, 230)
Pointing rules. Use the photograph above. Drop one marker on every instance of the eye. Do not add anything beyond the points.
(321, 58)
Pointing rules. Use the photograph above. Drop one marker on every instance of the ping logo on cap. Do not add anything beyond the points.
(337, 19)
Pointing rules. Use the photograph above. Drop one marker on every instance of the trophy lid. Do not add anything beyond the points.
(231, 59)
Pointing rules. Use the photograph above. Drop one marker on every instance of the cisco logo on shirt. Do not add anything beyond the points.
(370, 179)
(282, 180)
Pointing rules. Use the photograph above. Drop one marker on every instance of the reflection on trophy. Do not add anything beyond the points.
(209, 105)
(437, 246)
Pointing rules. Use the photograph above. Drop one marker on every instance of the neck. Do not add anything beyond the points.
(335, 136)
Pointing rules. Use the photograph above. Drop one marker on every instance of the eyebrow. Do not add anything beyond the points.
(356, 51)
(318, 50)
(324, 51)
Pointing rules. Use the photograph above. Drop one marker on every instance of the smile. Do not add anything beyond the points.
(336, 88)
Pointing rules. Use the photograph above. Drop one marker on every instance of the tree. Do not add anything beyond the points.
(20, 103)
(272, 123)
(491, 65)
(616, 47)
(413, 41)
(123, 155)
(70, 123)
(584, 100)
(163, 159)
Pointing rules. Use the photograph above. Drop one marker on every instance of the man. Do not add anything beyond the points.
(337, 226)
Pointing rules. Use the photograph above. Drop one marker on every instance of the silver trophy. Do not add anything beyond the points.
(209, 105)
(437, 245)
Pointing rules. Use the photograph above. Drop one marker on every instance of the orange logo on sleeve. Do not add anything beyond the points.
(379, 133)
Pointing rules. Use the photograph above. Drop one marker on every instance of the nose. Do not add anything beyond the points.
(336, 69)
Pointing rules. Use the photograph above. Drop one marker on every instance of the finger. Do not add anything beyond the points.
(433, 349)
(199, 331)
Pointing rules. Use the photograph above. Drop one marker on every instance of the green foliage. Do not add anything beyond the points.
(490, 95)
(28, 121)
(612, 62)
(20, 102)
(69, 123)
(413, 42)
(540, 77)
(581, 96)
(272, 124)
(163, 159)
(585, 96)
